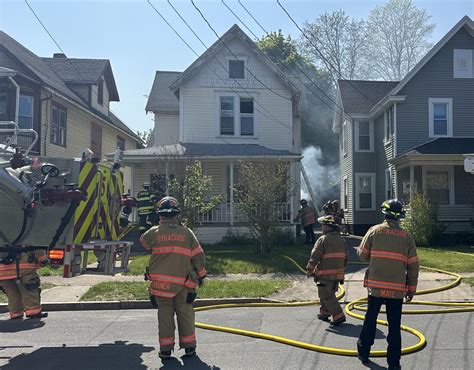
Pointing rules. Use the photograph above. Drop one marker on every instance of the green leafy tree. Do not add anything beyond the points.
(422, 221)
(262, 185)
(191, 190)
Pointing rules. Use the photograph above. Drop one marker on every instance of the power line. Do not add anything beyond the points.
(269, 115)
(235, 56)
(326, 61)
(295, 63)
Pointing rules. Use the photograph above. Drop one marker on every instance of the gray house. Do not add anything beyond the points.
(401, 137)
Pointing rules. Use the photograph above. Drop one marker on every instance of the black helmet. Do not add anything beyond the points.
(393, 209)
(303, 202)
(168, 207)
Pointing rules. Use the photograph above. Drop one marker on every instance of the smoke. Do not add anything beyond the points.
(323, 178)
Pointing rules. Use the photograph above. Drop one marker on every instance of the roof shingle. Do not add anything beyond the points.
(162, 98)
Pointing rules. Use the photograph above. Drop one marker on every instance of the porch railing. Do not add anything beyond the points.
(222, 214)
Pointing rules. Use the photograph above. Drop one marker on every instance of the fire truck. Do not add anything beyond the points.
(67, 206)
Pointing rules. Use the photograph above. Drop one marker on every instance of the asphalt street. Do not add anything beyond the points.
(128, 340)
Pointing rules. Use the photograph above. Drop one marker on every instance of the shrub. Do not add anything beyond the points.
(422, 221)
(235, 239)
(283, 237)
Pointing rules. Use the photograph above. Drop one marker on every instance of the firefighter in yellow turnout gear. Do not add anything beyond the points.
(327, 264)
(23, 294)
(391, 276)
(146, 207)
(176, 268)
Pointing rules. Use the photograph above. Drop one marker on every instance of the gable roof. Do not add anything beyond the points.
(358, 97)
(161, 97)
(44, 69)
(233, 32)
(84, 71)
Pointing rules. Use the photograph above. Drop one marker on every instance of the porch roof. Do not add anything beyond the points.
(204, 150)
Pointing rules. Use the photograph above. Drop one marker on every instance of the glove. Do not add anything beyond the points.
(45, 262)
(341, 281)
(201, 282)
(409, 296)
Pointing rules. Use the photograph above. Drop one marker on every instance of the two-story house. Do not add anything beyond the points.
(65, 100)
(401, 137)
(231, 104)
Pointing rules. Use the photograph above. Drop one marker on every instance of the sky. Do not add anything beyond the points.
(138, 42)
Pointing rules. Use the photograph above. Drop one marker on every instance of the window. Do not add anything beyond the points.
(346, 194)
(389, 124)
(3, 107)
(227, 115)
(440, 117)
(236, 69)
(388, 184)
(120, 143)
(364, 136)
(462, 63)
(439, 184)
(100, 92)
(25, 116)
(58, 125)
(365, 191)
(246, 117)
(96, 140)
(345, 137)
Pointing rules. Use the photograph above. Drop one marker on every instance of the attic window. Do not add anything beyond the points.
(236, 69)
(462, 63)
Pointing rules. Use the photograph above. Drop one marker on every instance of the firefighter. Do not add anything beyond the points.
(307, 215)
(327, 263)
(176, 268)
(23, 291)
(145, 208)
(391, 276)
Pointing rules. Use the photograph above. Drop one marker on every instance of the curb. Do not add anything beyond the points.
(133, 305)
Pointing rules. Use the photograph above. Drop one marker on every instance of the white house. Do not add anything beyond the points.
(232, 104)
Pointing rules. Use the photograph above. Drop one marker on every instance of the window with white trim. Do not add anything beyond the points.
(440, 117)
(389, 124)
(246, 117)
(462, 63)
(388, 184)
(364, 133)
(237, 69)
(25, 114)
(346, 193)
(438, 184)
(227, 119)
(365, 191)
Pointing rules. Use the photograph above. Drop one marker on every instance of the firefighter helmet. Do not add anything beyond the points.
(168, 207)
(329, 220)
(146, 185)
(303, 202)
(393, 209)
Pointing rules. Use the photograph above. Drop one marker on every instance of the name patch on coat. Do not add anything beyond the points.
(170, 238)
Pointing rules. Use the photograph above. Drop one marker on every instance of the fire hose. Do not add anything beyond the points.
(354, 305)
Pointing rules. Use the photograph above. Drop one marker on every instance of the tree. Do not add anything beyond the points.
(283, 51)
(191, 191)
(262, 185)
(147, 136)
(399, 34)
(336, 43)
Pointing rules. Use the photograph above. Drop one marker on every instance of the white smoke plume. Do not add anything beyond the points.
(324, 180)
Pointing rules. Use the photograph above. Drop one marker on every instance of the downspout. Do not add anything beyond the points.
(17, 103)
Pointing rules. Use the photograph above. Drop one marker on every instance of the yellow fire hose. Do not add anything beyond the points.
(357, 305)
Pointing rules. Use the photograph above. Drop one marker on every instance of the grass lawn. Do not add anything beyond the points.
(469, 281)
(240, 260)
(446, 260)
(44, 286)
(121, 291)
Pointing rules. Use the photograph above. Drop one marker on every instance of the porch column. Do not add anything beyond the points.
(291, 171)
(412, 181)
(231, 184)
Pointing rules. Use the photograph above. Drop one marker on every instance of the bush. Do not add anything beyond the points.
(283, 237)
(235, 239)
(422, 221)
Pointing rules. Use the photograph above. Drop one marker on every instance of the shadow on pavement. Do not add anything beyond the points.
(14, 326)
(118, 355)
(194, 363)
(372, 365)
(351, 330)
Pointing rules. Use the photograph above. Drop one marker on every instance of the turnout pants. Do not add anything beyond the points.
(327, 290)
(24, 295)
(167, 307)
(309, 232)
(394, 339)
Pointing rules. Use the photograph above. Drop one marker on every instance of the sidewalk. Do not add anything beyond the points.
(303, 289)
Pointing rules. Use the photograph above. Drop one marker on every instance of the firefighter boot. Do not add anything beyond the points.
(165, 355)
(323, 317)
(190, 351)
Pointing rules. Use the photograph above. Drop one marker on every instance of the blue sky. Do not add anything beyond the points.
(138, 42)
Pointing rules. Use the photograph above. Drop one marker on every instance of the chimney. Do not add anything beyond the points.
(59, 56)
